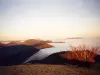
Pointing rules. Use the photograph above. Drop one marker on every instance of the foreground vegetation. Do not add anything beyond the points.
(47, 70)
(82, 53)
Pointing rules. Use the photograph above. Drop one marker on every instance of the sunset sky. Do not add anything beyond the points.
(49, 19)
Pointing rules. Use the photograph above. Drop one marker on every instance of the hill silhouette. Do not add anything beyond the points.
(14, 55)
(54, 58)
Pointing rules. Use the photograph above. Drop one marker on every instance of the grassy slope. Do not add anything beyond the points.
(47, 70)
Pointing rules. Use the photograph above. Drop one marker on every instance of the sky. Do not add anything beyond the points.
(49, 19)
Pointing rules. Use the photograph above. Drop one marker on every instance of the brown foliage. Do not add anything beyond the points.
(82, 53)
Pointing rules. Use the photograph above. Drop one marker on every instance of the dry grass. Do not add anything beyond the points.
(46, 70)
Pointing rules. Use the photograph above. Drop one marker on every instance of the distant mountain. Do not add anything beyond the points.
(14, 55)
(75, 38)
(31, 41)
(59, 42)
(40, 44)
(26, 42)
(2, 45)
(48, 41)
(12, 43)
(45, 45)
